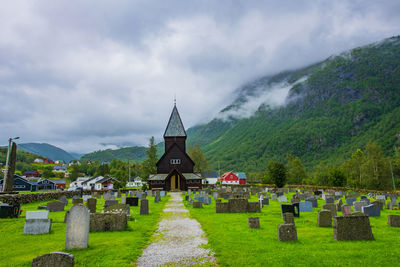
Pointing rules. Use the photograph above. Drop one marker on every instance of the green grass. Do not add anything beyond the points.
(235, 244)
(119, 248)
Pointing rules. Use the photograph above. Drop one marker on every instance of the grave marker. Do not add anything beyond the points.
(58, 259)
(78, 221)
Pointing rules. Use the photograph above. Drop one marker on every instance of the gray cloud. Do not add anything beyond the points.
(91, 73)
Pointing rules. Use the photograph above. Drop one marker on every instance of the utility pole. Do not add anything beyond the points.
(219, 170)
(391, 170)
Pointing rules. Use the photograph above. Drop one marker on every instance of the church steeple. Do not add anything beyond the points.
(175, 126)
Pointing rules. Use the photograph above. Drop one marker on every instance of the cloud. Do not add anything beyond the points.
(100, 74)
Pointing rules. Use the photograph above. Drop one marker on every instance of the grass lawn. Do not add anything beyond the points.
(235, 244)
(119, 248)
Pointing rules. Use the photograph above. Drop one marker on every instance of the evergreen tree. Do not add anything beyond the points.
(196, 154)
(149, 165)
(277, 172)
(296, 173)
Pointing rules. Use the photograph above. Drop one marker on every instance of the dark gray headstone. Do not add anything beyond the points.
(324, 218)
(91, 204)
(53, 259)
(288, 218)
(254, 222)
(108, 203)
(64, 200)
(371, 210)
(132, 201)
(352, 227)
(9, 211)
(55, 206)
(287, 232)
(144, 206)
(104, 222)
(394, 220)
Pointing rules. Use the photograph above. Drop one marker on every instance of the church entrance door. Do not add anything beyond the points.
(173, 178)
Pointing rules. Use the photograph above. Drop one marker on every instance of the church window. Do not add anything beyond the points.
(175, 161)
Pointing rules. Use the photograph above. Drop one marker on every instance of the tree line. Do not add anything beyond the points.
(367, 168)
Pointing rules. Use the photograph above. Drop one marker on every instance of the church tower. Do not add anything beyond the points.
(175, 167)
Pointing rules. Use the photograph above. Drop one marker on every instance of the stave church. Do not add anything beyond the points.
(175, 167)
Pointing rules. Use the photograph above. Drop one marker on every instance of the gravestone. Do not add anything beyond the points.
(274, 196)
(314, 201)
(366, 200)
(108, 196)
(91, 204)
(339, 204)
(305, 206)
(215, 195)
(329, 200)
(282, 199)
(378, 203)
(287, 232)
(162, 193)
(346, 210)
(104, 222)
(76, 201)
(197, 205)
(394, 220)
(353, 227)
(76, 197)
(254, 222)
(288, 218)
(59, 259)
(9, 211)
(371, 210)
(108, 203)
(55, 206)
(324, 218)
(331, 207)
(349, 201)
(119, 194)
(294, 208)
(132, 201)
(144, 206)
(37, 222)
(64, 200)
(358, 204)
(123, 199)
(78, 221)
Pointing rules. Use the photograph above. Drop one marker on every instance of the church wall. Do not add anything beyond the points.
(180, 141)
(165, 166)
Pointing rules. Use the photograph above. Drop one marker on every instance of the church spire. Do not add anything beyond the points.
(175, 126)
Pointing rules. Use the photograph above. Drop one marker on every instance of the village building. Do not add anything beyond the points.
(175, 167)
(210, 177)
(30, 174)
(20, 184)
(233, 178)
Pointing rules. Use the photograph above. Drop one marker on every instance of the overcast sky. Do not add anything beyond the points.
(90, 75)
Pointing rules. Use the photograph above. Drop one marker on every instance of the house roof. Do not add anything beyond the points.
(210, 174)
(93, 178)
(175, 126)
(241, 175)
(105, 179)
(30, 172)
(58, 181)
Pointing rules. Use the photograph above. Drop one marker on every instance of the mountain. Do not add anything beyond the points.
(47, 150)
(320, 113)
(134, 154)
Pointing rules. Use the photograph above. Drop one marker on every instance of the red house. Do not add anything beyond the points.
(31, 174)
(229, 178)
(48, 161)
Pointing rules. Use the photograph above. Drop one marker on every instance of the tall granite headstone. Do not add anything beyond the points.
(78, 221)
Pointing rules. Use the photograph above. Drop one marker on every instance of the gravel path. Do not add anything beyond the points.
(177, 239)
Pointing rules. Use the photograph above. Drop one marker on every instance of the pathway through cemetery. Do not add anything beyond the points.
(178, 239)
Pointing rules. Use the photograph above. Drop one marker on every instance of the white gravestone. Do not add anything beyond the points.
(77, 235)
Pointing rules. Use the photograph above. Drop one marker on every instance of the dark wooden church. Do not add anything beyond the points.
(175, 167)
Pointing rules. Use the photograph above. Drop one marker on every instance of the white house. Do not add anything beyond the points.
(135, 182)
(78, 182)
(105, 183)
(38, 160)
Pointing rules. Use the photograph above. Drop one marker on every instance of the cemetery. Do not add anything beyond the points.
(68, 231)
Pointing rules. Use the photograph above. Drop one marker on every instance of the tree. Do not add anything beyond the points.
(336, 176)
(149, 164)
(376, 168)
(196, 154)
(47, 172)
(296, 173)
(102, 170)
(277, 172)
(74, 174)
